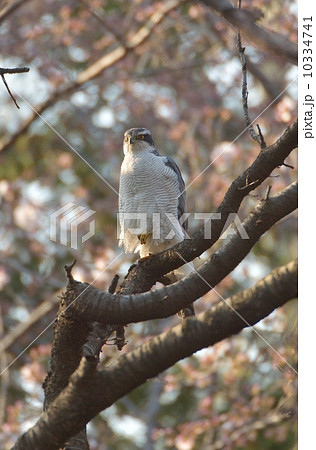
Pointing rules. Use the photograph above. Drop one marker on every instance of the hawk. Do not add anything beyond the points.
(152, 201)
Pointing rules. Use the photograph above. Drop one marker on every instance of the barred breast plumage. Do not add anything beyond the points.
(151, 202)
(148, 186)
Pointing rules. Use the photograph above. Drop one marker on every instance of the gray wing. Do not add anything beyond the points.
(182, 207)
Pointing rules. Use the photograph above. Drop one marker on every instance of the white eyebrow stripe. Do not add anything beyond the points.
(144, 132)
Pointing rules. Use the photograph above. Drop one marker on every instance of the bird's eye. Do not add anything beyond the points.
(141, 136)
(126, 139)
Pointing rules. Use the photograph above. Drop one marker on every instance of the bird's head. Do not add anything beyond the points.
(138, 139)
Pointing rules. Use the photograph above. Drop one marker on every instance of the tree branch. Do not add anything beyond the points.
(142, 276)
(89, 339)
(81, 400)
(244, 95)
(92, 304)
(72, 327)
(4, 71)
(244, 21)
(95, 305)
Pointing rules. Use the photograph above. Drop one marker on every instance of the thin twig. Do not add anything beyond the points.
(267, 194)
(258, 137)
(244, 91)
(68, 270)
(4, 71)
(288, 165)
(262, 141)
(248, 185)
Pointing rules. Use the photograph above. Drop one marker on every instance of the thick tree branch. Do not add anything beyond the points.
(143, 275)
(90, 303)
(81, 400)
(70, 335)
(244, 21)
(95, 305)
(72, 327)
(88, 342)
(97, 68)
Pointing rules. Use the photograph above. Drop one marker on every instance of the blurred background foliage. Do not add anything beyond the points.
(184, 84)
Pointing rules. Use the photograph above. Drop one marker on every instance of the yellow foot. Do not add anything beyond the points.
(143, 238)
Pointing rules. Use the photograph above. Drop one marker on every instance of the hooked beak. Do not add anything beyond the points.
(131, 140)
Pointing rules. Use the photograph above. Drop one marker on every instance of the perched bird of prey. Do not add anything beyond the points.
(152, 201)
